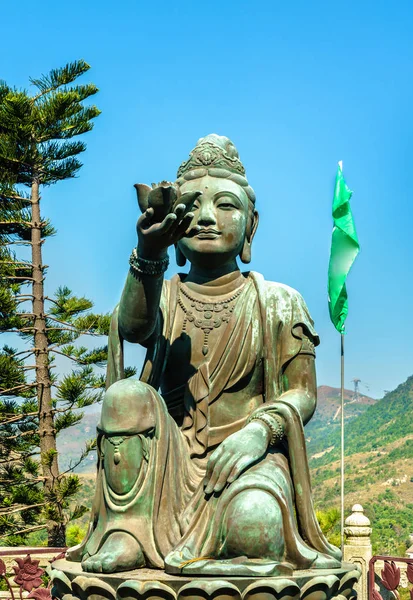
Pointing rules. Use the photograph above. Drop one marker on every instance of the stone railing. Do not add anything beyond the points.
(387, 575)
(357, 547)
(24, 570)
(382, 577)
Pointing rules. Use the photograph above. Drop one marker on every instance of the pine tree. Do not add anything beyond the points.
(37, 149)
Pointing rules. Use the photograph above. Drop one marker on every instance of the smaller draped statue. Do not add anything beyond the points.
(202, 465)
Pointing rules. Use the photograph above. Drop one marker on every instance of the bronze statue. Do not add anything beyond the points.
(202, 466)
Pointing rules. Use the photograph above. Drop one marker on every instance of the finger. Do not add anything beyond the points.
(180, 210)
(239, 466)
(145, 218)
(167, 224)
(215, 474)
(226, 470)
(188, 198)
(184, 225)
(215, 456)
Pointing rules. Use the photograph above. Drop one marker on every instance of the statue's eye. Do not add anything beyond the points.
(226, 205)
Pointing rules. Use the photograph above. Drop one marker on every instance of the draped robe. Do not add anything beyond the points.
(178, 527)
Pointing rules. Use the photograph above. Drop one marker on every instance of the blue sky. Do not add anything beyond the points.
(297, 86)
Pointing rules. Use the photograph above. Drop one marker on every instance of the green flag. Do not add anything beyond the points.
(344, 249)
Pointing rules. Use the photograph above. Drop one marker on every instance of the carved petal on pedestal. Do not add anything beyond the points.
(347, 583)
(61, 584)
(272, 590)
(92, 588)
(144, 590)
(209, 590)
(320, 588)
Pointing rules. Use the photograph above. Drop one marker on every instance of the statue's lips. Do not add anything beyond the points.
(207, 234)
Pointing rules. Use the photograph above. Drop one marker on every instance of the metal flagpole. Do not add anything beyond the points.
(342, 444)
(342, 433)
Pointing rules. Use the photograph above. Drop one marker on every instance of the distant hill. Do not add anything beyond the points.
(327, 417)
(378, 468)
(383, 422)
(329, 400)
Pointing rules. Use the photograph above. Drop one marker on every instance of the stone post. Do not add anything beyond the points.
(357, 547)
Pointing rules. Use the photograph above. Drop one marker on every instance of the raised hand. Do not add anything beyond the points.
(165, 219)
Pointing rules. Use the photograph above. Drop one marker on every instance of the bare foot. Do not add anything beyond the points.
(120, 552)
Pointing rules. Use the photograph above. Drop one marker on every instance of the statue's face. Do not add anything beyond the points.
(216, 234)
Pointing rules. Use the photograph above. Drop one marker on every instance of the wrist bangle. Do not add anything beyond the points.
(142, 266)
(274, 424)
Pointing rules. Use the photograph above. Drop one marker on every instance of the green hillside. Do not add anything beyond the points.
(382, 423)
(327, 417)
(378, 468)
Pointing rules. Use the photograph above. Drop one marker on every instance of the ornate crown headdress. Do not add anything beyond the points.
(217, 156)
(213, 151)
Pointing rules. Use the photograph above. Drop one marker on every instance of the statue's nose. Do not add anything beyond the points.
(206, 215)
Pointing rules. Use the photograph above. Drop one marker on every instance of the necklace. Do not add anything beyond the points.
(212, 314)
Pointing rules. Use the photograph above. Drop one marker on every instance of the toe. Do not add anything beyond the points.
(108, 565)
(92, 565)
(86, 565)
(97, 566)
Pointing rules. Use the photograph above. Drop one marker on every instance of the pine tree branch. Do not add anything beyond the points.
(17, 161)
(15, 262)
(28, 223)
(58, 78)
(32, 351)
(15, 197)
(4, 511)
(52, 300)
(17, 387)
(49, 316)
(61, 329)
(17, 278)
(72, 466)
(63, 354)
(77, 331)
(18, 418)
(27, 482)
(9, 460)
(66, 409)
(36, 528)
(20, 435)
(22, 330)
(19, 243)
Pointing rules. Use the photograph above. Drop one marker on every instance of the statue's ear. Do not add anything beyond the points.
(179, 256)
(142, 191)
(252, 225)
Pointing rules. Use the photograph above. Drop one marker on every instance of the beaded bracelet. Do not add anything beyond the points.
(274, 424)
(142, 266)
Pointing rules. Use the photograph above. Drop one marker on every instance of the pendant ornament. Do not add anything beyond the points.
(210, 315)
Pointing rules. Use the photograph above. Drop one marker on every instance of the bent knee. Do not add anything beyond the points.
(254, 508)
(254, 526)
(128, 407)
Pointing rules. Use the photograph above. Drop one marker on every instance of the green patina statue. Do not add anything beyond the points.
(202, 466)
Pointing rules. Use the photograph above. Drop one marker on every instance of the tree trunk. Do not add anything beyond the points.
(47, 434)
